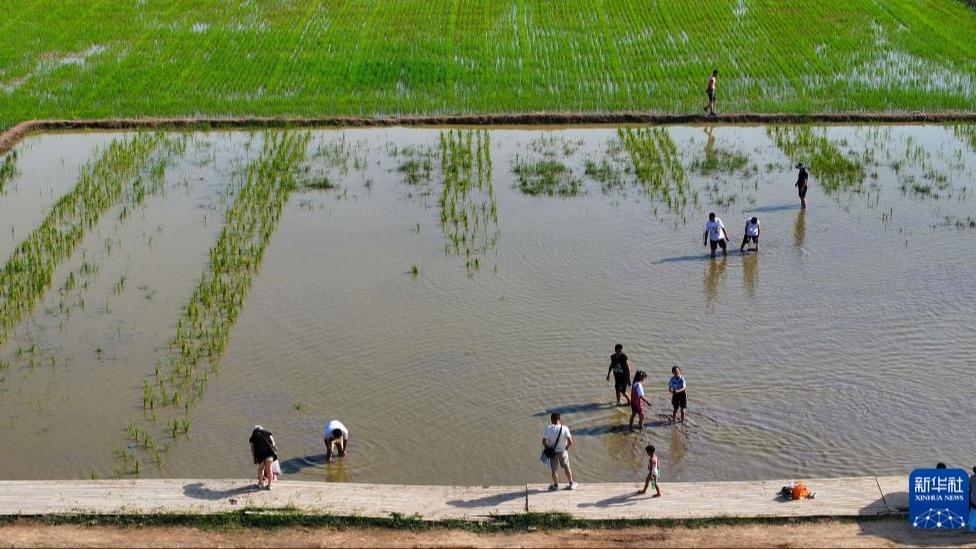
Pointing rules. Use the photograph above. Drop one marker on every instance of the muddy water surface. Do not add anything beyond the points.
(845, 346)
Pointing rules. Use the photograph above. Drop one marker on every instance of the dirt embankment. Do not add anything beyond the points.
(10, 137)
(893, 532)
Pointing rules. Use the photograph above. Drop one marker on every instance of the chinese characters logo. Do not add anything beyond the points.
(938, 498)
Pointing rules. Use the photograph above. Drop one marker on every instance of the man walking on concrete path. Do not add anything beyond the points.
(336, 438)
(715, 235)
(679, 395)
(801, 184)
(752, 233)
(556, 442)
(264, 452)
(710, 92)
(620, 369)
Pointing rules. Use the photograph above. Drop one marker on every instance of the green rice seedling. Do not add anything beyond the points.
(8, 170)
(606, 173)
(375, 58)
(545, 177)
(102, 182)
(964, 132)
(828, 165)
(658, 169)
(204, 327)
(720, 160)
(414, 270)
(468, 209)
(298, 406)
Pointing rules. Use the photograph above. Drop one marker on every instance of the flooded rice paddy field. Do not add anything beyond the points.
(441, 291)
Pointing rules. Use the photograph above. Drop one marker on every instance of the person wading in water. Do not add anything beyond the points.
(801, 184)
(620, 369)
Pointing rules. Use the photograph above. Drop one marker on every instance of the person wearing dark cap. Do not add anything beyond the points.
(801, 184)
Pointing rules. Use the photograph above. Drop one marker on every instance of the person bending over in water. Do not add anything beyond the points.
(715, 234)
(620, 369)
(752, 233)
(637, 400)
(336, 438)
(653, 470)
(801, 184)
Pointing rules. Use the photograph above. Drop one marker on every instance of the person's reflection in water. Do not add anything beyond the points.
(709, 145)
(800, 231)
(750, 274)
(714, 276)
(677, 448)
(336, 471)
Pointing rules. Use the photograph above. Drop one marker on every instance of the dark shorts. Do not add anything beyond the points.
(621, 383)
(752, 238)
(802, 191)
(716, 243)
(679, 400)
(711, 94)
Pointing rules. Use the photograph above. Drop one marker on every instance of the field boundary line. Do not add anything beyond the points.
(19, 131)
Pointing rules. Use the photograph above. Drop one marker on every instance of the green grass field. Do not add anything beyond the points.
(106, 58)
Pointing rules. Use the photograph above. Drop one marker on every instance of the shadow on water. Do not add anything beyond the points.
(488, 501)
(197, 490)
(575, 409)
(296, 465)
(680, 259)
(780, 208)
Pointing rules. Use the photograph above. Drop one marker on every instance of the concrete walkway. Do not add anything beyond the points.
(849, 497)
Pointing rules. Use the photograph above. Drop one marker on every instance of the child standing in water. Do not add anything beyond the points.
(637, 400)
(653, 470)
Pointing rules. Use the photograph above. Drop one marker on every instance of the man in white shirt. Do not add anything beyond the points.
(715, 234)
(752, 233)
(556, 442)
(336, 438)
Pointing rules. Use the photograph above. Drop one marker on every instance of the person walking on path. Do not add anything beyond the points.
(264, 452)
(710, 92)
(801, 184)
(715, 234)
(752, 233)
(637, 400)
(336, 438)
(620, 369)
(556, 442)
(679, 395)
(653, 470)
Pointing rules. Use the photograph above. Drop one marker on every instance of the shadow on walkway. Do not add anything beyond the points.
(488, 501)
(896, 527)
(623, 500)
(198, 490)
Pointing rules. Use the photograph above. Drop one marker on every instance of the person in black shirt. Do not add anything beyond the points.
(801, 184)
(264, 452)
(620, 369)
